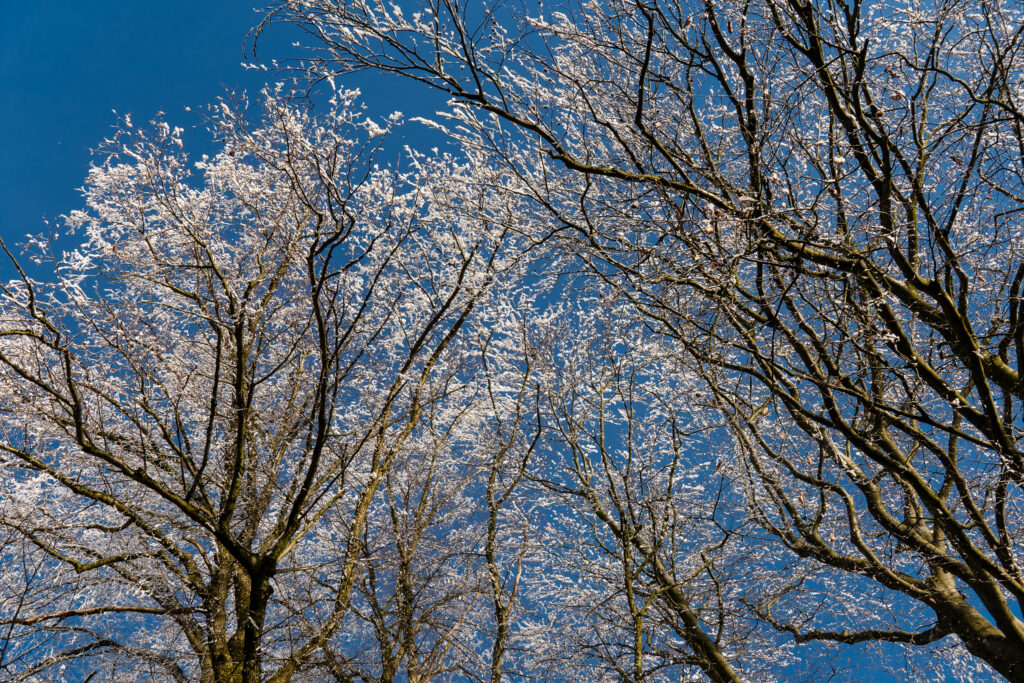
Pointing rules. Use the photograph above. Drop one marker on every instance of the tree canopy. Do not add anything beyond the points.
(697, 356)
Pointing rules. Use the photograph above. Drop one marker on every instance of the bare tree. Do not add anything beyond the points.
(704, 360)
(199, 413)
(648, 569)
(819, 203)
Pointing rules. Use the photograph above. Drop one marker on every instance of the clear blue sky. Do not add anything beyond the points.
(65, 64)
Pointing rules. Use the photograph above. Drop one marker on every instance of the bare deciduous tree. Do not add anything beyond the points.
(819, 203)
(200, 412)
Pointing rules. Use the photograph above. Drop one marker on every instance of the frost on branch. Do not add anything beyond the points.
(816, 205)
(203, 411)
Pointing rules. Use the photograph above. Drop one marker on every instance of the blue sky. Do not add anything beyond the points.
(65, 65)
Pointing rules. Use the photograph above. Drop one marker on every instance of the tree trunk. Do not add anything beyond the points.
(252, 657)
